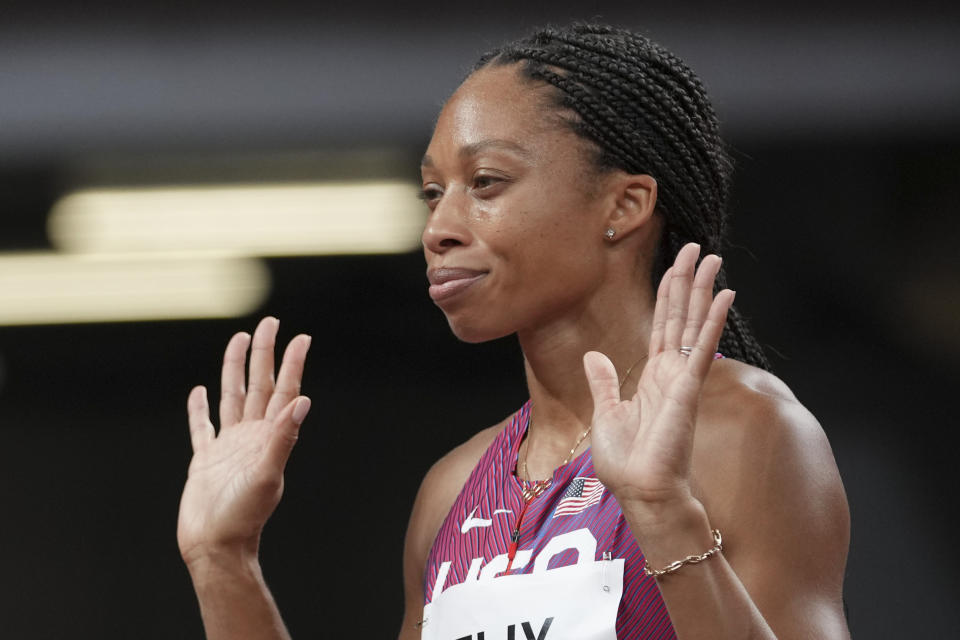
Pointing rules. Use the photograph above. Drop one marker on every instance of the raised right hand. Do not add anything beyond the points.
(235, 478)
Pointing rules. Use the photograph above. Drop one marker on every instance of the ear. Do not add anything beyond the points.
(634, 203)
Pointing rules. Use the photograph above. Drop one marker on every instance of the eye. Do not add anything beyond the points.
(482, 182)
(487, 184)
(431, 193)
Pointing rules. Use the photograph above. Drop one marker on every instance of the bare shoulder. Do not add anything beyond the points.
(756, 410)
(443, 483)
(439, 489)
(752, 429)
(729, 377)
(446, 477)
(765, 471)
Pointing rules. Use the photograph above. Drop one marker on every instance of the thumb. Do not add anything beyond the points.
(602, 379)
(286, 430)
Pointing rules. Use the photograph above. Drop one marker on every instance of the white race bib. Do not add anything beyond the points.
(576, 602)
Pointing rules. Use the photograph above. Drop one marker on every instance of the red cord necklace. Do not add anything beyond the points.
(534, 491)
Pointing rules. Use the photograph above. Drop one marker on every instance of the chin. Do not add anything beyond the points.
(474, 332)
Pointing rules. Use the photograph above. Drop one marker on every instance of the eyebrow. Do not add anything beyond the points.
(479, 147)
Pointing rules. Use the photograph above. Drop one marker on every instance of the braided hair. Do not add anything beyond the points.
(646, 112)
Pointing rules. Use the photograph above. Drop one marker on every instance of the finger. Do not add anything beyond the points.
(602, 379)
(291, 373)
(198, 415)
(681, 280)
(286, 430)
(261, 383)
(233, 380)
(701, 297)
(660, 314)
(706, 348)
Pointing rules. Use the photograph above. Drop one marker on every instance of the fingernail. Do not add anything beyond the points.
(301, 409)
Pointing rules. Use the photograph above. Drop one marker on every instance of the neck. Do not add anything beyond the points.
(615, 324)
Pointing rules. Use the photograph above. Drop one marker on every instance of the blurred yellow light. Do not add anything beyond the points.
(44, 288)
(255, 219)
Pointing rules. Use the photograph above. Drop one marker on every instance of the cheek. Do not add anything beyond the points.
(549, 241)
(559, 268)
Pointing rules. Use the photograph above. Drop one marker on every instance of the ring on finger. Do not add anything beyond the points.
(685, 351)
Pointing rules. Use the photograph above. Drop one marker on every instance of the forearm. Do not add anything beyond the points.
(235, 603)
(707, 599)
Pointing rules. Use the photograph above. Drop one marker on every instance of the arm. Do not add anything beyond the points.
(773, 492)
(416, 547)
(235, 481)
(437, 493)
(234, 599)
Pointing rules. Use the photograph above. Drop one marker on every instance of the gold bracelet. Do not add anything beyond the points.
(673, 566)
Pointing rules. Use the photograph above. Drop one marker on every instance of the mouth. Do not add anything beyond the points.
(446, 282)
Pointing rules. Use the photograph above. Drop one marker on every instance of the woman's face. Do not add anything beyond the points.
(514, 238)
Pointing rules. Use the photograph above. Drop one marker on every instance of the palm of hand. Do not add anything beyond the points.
(230, 489)
(235, 479)
(642, 446)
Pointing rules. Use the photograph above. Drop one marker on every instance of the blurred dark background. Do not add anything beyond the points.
(844, 119)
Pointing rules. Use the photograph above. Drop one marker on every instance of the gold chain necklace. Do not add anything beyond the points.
(538, 487)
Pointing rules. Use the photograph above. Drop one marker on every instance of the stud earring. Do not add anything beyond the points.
(610, 232)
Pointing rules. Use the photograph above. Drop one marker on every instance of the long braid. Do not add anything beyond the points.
(648, 113)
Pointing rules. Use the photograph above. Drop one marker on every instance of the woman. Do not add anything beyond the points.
(650, 488)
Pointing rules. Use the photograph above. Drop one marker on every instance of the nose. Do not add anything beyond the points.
(446, 227)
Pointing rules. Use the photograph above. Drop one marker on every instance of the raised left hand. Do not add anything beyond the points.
(642, 447)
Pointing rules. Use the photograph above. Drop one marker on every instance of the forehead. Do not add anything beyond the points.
(497, 103)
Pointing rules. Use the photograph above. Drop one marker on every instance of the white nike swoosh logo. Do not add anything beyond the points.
(472, 522)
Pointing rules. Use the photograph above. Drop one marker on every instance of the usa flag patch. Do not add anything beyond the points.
(582, 493)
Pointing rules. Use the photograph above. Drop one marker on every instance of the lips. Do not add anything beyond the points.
(446, 282)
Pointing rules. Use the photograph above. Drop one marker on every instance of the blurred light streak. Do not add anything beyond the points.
(278, 219)
(47, 288)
